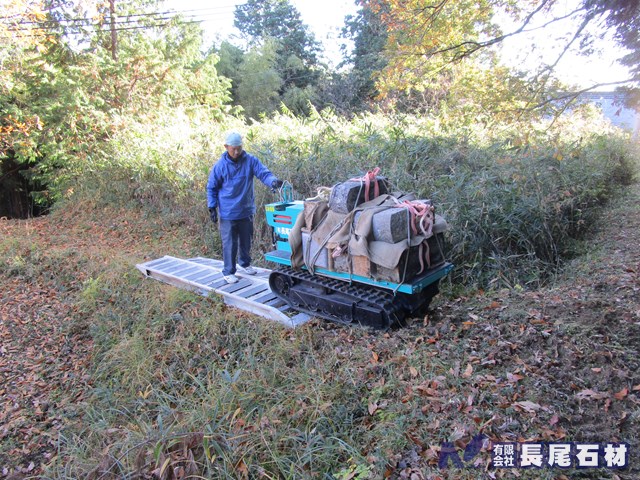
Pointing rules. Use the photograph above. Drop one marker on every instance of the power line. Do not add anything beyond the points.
(168, 12)
(125, 19)
(41, 32)
(121, 23)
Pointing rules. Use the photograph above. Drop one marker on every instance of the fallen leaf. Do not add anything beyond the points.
(589, 394)
(621, 394)
(467, 371)
(514, 377)
(373, 407)
(413, 372)
(527, 406)
(242, 469)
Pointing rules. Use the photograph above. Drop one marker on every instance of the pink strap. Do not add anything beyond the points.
(422, 216)
(368, 179)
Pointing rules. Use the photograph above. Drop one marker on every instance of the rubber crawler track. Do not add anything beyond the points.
(321, 289)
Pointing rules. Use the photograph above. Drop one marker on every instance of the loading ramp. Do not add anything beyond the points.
(204, 276)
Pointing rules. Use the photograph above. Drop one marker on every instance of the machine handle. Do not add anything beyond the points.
(286, 192)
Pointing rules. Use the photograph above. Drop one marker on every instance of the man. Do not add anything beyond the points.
(230, 192)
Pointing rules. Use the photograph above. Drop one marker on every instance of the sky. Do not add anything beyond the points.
(529, 50)
(326, 18)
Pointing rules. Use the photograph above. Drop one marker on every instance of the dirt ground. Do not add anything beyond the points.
(578, 340)
(572, 349)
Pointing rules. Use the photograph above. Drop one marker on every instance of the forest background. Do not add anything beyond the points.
(115, 110)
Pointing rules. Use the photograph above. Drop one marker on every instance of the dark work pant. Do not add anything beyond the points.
(236, 238)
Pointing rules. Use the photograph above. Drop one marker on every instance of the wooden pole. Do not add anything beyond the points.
(114, 38)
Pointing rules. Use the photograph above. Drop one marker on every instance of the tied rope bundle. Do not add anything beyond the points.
(421, 221)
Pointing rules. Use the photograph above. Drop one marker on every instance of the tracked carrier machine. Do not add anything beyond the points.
(357, 253)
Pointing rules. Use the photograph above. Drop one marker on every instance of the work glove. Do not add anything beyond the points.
(213, 213)
(276, 184)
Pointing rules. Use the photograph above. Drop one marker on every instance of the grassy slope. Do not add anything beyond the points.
(105, 373)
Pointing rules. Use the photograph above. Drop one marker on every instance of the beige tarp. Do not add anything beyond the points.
(337, 233)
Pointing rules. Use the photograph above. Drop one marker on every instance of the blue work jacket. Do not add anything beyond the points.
(230, 185)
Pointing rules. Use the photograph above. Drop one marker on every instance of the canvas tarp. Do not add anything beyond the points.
(337, 233)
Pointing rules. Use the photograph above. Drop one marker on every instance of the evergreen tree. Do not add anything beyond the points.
(296, 50)
(259, 81)
(367, 59)
(60, 99)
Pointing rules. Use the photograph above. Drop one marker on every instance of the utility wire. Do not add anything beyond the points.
(54, 25)
(41, 32)
(168, 12)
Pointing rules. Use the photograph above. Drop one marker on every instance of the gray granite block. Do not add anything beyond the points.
(348, 195)
(391, 225)
(406, 270)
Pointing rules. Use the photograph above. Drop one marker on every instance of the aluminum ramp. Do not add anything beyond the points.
(204, 276)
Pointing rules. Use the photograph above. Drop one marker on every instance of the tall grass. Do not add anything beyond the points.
(518, 198)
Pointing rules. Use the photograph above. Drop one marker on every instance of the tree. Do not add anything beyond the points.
(259, 81)
(425, 40)
(623, 17)
(296, 50)
(60, 100)
(231, 59)
(369, 37)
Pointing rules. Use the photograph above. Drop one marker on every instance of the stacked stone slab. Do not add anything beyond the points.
(313, 252)
(348, 195)
(390, 225)
(408, 267)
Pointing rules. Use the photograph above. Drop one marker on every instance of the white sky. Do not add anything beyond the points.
(529, 50)
(326, 19)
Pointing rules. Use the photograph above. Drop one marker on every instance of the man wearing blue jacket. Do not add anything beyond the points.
(230, 191)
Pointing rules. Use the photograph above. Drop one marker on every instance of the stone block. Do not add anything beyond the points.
(361, 266)
(399, 274)
(310, 249)
(436, 250)
(390, 225)
(340, 263)
(348, 195)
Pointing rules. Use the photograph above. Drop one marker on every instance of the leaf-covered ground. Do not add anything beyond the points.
(556, 364)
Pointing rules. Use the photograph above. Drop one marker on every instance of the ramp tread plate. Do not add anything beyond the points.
(265, 298)
(198, 275)
(172, 268)
(158, 262)
(221, 282)
(276, 303)
(234, 287)
(250, 293)
(183, 270)
(207, 261)
(209, 277)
